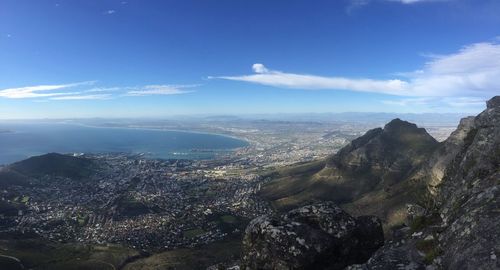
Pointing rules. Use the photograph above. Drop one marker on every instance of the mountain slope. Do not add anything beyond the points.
(376, 164)
(53, 164)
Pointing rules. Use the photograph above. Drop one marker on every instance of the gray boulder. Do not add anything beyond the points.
(319, 236)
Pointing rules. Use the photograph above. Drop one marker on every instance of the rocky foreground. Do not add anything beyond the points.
(315, 237)
(454, 224)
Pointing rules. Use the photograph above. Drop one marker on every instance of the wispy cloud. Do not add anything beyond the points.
(83, 97)
(471, 103)
(465, 101)
(356, 4)
(409, 101)
(77, 91)
(416, 1)
(150, 90)
(109, 12)
(40, 91)
(313, 82)
(472, 71)
(102, 89)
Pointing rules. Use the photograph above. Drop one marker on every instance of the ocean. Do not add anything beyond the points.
(20, 141)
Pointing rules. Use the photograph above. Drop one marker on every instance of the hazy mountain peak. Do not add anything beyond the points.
(399, 124)
(494, 102)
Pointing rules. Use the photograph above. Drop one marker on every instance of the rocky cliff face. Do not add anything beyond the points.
(461, 228)
(319, 236)
(434, 169)
(468, 196)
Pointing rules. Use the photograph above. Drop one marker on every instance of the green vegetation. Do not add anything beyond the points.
(10, 209)
(40, 254)
(191, 259)
(12, 178)
(290, 182)
(81, 219)
(128, 206)
(421, 222)
(229, 219)
(25, 199)
(430, 249)
(193, 233)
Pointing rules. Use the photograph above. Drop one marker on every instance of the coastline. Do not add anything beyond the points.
(193, 153)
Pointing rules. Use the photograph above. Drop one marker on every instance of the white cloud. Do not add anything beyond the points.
(102, 89)
(408, 1)
(83, 97)
(76, 91)
(149, 90)
(472, 71)
(109, 12)
(409, 101)
(356, 4)
(416, 1)
(40, 91)
(313, 82)
(439, 102)
(259, 68)
(465, 101)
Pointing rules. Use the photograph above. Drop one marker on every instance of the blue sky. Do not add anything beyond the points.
(106, 58)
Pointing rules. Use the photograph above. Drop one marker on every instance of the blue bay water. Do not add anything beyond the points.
(25, 140)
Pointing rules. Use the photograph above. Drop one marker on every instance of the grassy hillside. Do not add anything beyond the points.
(291, 180)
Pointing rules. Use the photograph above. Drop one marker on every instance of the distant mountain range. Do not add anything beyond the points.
(355, 117)
(360, 117)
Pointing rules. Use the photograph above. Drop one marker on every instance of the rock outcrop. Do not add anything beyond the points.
(319, 236)
(468, 197)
